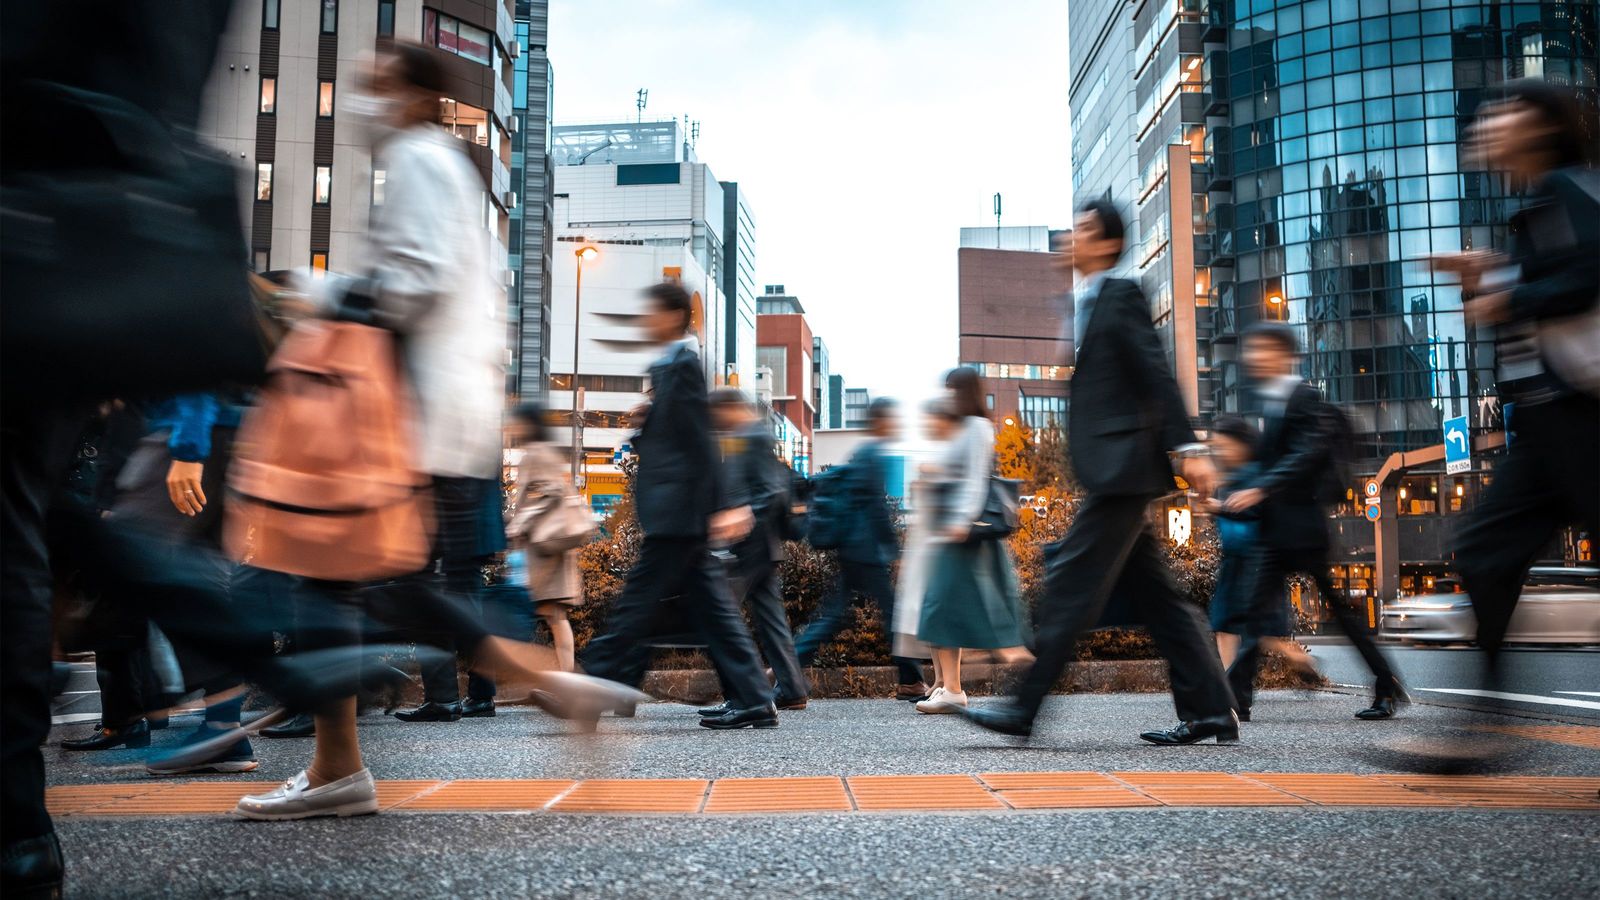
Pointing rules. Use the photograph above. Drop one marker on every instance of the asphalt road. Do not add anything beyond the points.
(1557, 683)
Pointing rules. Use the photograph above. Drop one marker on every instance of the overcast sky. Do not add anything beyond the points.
(866, 132)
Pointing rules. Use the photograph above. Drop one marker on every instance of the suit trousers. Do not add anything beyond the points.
(682, 567)
(834, 616)
(1109, 548)
(1550, 479)
(761, 587)
(459, 545)
(1276, 564)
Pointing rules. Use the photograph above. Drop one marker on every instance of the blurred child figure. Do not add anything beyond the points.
(544, 483)
(1234, 612)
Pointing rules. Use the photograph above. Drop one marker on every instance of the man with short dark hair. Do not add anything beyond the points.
(869, 547)
(682, 511)
(1126, 416)
(1295, 451)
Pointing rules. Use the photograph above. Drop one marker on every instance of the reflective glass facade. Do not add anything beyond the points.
(1334, 164)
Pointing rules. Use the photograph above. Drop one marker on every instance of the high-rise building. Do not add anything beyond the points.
(532, 179)
(1296, 161)
(274, 104)
(820, 375)
(637, 195)
(1012, 320)
(739, 283)
(784, 345)
(835, 417)
(1101, 102)
(857, 401)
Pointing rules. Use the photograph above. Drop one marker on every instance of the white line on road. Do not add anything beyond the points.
(74, 718)
(1523, 698)
(1580, 693)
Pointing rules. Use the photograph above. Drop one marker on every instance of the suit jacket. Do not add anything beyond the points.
(679, 465)
(870, 538)
(753, 476)
(1292, 452)
(1126, 412)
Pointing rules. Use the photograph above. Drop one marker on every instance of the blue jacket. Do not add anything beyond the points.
(1238, 531)
(190, 418)
(870, 538)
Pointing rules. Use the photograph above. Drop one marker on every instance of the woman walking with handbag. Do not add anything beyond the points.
(548, 525)
(972, 598)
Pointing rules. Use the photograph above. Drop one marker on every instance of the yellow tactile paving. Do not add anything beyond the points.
(730, 795)
(1574, 735)
(658, 795)
(994, 791)
(881, 792)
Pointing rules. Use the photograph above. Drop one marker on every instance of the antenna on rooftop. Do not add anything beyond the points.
(997, 221)
(641, 100)
(694, 134)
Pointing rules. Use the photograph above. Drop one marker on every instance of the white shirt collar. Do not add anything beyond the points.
(688, 342)
(1281, 387)
(1089, 285)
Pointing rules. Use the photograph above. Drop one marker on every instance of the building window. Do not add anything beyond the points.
(325, 99)
(379, 176)
(776, 359)
(269, 15)
(1040, 412)
(385, 18)
(455, 36)
(988, 400)
(330, 16)
(269, 95)
(264, 181)
(323, 188)
(262, 258)
(319, 263)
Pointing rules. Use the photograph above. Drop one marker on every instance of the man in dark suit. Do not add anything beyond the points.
(870, 546)
(1126, 415)
(1296, 453)
(753, 477)
(681, 511)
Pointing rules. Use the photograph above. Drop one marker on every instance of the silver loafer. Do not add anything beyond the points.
(353, 795)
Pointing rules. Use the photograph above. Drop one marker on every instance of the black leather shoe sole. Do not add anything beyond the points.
(131, 742)
(792, 704)
(406, 716)
(723, 723)
(485, 712)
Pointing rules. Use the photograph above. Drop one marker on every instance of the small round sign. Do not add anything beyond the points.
(1371, 488)
(1374, 512)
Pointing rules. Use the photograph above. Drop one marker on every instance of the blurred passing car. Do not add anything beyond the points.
(1559, 605)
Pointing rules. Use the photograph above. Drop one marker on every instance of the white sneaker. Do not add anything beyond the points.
(353, 795)
(942, 702)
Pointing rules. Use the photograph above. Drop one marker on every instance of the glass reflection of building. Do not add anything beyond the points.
(1297, 161)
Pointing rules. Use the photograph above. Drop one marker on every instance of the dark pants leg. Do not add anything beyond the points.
(832, 616)
(763, 596)
(679, 566)
(461, 550)
(35, 449)
(123, 675)
(874, 581)
(1242, 672)
(1109, 548)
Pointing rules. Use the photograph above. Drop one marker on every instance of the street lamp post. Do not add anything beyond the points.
(583, 253)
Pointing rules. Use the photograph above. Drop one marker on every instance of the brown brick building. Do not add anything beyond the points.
(1014, 331)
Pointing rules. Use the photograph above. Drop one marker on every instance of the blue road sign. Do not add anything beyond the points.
(1457, 445)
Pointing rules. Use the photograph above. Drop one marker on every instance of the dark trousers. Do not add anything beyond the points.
(1550, 479)
(1276, 564)
(761, 586)
(834, 615)
(1109, 548)
(680, 567)
(35, 450)
(469, 532)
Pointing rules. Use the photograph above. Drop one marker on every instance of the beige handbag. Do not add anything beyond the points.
(553, 524)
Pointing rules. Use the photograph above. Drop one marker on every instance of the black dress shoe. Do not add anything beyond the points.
(477, 708)
(300, 725)
(1005, 717)
(1381, 708)
(711, 712)
(30, 869)
(430, 712)
(791, 703)
(1244, 715)
(753, 717)
(134, 737)
(1224, 728)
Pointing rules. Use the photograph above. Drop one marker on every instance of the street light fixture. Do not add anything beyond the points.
(587, 251)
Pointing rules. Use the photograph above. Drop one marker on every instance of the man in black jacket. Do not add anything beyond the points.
(1295, 454)
(681, 511)
(753, 477)
(868, 549)
(1126, 415)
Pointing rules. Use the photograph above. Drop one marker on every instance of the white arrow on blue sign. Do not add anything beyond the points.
(1457, 445)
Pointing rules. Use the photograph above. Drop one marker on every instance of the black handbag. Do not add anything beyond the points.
(125, 269)
(1000, 510)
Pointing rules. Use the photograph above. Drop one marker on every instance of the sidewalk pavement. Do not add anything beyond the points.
(1084, 807)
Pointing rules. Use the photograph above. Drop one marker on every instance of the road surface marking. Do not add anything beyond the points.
(1580, 693)
(1522, 698)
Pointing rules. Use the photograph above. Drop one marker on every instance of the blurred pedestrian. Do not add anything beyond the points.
(868, 547)
(1237, 608)
(1126, 416)
(1300, 476)
(543, 489)
(683, 510)
(940, 424)
(972, 598)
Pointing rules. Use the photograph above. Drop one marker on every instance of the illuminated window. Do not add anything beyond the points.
(455, 36)
(262, 258)
(269, 95)
(323, 187)
(319, 264)
(264, 181)
(325, 99)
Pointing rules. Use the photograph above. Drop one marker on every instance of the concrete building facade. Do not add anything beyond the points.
(1013, 317)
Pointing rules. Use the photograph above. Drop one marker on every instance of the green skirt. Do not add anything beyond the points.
(972, 598)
